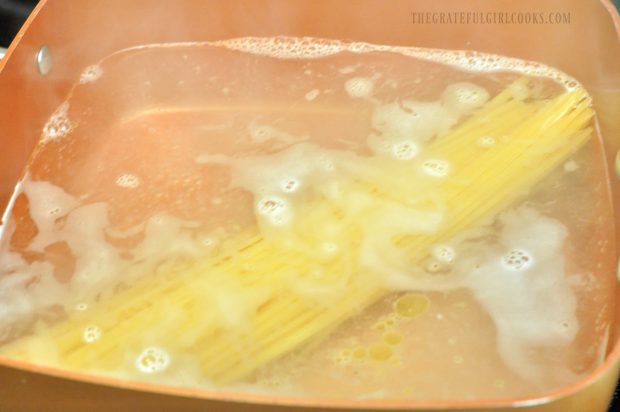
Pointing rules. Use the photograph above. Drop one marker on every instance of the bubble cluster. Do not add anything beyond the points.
(153, 360)
(312, 48)
(436, 167)
(359, 87)
(58, 124)
(342, 357)
(405, 150)
(284, 47)
(91, 334)
(464, 97)
(128, 181)
(90, 74)
(517, 260)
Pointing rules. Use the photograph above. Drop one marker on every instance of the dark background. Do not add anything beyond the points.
(13, 13)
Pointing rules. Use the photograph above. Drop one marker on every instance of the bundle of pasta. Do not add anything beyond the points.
(351, 239)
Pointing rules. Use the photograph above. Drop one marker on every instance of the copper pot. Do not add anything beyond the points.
(33, 79)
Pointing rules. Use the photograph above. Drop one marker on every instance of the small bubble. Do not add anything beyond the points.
(311, 95)
(208, 241)
(81, 307)
(458, 359)
(329, 247)
(261, 133)
(153, 360)
(444, 253)
(91, 334)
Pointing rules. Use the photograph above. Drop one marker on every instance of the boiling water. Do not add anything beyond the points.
(167, 158)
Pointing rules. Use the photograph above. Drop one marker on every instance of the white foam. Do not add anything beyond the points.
(530, 301)
(312, 48)
(59, 217)
(47, 203)
(411, 119)
(91, 73)
(316, 48)
(359, 87)
(58, 125)
(128, 181)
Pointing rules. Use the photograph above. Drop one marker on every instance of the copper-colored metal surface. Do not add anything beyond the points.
(80, 33)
